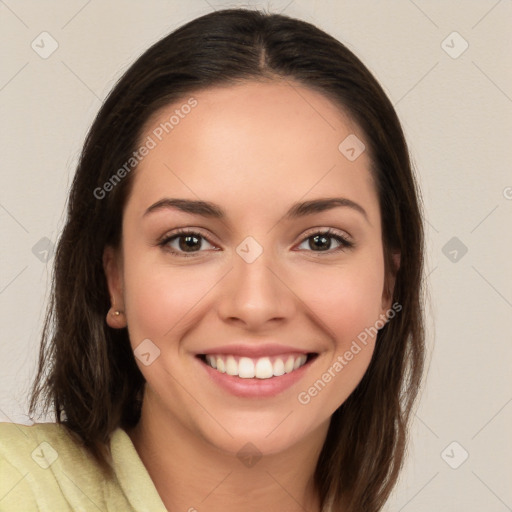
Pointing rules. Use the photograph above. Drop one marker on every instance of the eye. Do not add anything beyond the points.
(323, 239)
(187, 243)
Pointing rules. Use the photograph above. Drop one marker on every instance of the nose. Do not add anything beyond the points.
(256, 294)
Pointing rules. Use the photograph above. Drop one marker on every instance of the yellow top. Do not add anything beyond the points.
(43, 469)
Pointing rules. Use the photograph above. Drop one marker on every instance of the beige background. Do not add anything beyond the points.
(457, 114)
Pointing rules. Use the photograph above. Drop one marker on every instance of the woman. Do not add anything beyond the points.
(236, 317)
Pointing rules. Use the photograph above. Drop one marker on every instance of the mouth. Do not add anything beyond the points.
(257, 368)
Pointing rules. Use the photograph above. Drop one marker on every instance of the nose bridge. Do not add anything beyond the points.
(256, 292)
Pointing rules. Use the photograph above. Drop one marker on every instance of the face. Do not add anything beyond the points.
(250, 283)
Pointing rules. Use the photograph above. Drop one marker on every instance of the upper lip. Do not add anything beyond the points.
(254, 350)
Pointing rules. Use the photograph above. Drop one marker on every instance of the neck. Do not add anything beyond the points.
(190, 473)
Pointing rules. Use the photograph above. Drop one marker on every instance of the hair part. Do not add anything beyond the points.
(87, 374)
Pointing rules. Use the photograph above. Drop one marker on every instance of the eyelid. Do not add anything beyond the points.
(327, 230)
(184, 231)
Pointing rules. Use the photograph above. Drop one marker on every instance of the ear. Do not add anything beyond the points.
(113, 268)
(389, 282)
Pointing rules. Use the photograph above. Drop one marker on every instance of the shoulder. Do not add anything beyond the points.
(46, 467)
(46, 464)
(16, 435)
(41, 444)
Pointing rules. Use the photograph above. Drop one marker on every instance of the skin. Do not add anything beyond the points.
(254, 149)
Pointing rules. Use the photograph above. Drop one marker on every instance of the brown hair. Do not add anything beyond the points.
(87, 372)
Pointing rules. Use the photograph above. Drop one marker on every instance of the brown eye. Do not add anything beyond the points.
(184, 243)
(322, 242)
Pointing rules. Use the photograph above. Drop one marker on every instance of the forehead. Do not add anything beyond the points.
(253, 143)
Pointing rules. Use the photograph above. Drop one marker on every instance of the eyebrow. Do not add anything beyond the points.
(297, 210)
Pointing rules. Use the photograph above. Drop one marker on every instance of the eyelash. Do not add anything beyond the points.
(344, 242)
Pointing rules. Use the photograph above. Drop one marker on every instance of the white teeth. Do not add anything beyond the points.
(231, 366)
(278, 367)
(264, 369)
(261, 368)
(299, 362)
(246, 368)
(288, 367)
(220, 365)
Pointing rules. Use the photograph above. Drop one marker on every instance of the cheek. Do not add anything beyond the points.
(159, 299)
(345, 299)
(347, 303)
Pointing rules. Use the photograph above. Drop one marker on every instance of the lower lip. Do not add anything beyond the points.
(255, 388)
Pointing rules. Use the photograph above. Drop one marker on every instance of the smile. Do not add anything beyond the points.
(258, 368)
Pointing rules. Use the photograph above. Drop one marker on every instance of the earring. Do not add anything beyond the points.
(113, 318)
